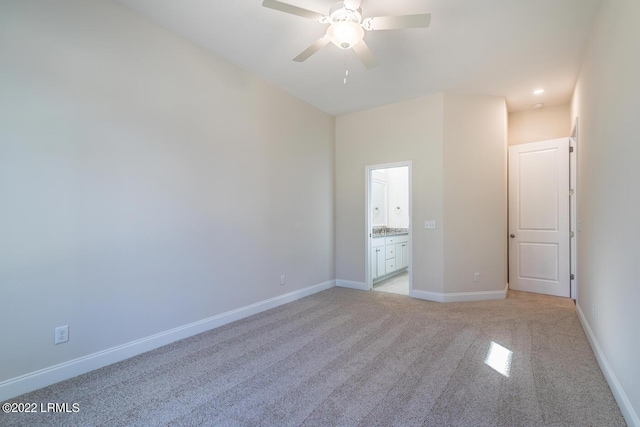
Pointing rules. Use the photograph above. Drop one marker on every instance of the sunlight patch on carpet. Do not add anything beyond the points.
(499, 358)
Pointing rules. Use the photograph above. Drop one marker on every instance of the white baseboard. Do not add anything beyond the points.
(426, 295)
(629, 414)
(63, 371)
(459, 296)
(361, 286)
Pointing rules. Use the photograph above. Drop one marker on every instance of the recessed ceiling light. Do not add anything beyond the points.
(537, 106)
(538, 91)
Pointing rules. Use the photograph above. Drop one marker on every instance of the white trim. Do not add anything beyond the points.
(63, 371)
(459, 296)
(360, 286)
(573, 207)
(426, 295)
(626, 408)
(368, 279)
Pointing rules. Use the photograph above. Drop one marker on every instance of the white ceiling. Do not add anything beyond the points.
(492, 47)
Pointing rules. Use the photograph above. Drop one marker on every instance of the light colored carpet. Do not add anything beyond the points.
(345, 358)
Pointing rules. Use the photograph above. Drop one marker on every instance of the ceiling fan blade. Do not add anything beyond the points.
(352, 4)
(397, 22)
(294, 10)
(319, 44)
(364, 53)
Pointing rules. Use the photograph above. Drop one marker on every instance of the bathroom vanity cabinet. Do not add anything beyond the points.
(389, 255)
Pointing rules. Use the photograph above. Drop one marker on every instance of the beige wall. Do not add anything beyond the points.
(475, 193)
(457, 144)
(540, 125)
(114, 136)
(607, 104)
(410, 130)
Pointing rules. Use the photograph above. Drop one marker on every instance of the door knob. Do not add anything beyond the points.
(513, 236)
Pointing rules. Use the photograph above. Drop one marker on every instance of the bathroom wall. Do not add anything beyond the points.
(398, 196)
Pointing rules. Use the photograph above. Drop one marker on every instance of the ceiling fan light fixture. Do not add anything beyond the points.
(345, 34)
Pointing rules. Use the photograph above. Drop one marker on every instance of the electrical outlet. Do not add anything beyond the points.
(476, 277)
(593, 312)
(61, 334)
(283, 280)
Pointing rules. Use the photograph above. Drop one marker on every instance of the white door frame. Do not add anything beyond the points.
(573, 208)
(367, 179)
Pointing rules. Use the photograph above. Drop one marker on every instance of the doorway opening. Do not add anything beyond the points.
(388, 247)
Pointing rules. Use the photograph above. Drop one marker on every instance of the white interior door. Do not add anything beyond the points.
(539, 258)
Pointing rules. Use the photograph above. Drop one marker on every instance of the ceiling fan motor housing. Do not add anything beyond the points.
(339, 12)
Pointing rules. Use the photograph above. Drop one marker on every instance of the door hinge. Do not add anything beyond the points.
(572, 234)
(571, 149)
(571, 192)
(573, 276)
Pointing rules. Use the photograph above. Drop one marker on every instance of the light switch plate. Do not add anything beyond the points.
(430, 225)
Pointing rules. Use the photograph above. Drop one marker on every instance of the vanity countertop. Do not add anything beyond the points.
(391, 233)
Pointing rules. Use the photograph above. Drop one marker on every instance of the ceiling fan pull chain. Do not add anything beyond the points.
(346, 69)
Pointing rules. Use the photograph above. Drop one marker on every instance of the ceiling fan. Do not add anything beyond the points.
(346, 27)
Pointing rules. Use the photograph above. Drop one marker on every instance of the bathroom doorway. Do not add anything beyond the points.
(388, 247)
